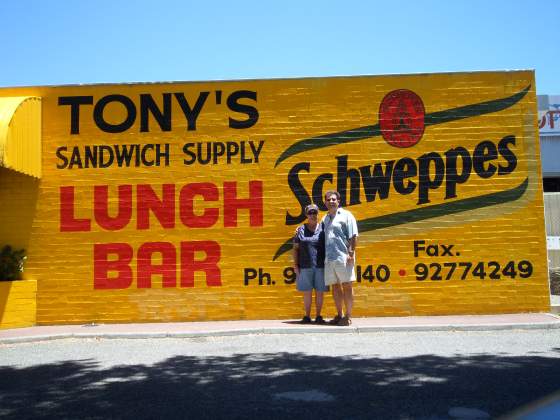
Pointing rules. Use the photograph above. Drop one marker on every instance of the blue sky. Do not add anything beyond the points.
(66, 42)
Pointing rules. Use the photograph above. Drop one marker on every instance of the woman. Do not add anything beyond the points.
(309, 261)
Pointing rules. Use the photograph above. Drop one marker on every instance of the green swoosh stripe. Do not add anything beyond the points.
(439, 117)
(429, 212)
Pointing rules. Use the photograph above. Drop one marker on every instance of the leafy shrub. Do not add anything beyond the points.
(11, 263)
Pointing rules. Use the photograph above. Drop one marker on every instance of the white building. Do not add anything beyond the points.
(549, 128)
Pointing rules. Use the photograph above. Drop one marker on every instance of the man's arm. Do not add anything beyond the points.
(352, 243)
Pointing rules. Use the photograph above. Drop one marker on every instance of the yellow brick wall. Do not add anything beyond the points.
(501, 219)
(18, 200)
(18, 303)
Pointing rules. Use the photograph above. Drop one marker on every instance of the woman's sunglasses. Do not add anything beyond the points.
(312, 212)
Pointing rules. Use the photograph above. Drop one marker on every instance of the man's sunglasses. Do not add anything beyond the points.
(312, 212)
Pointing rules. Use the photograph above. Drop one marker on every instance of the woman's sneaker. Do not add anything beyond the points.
(305, 320)
(335, 320)
(320, 320)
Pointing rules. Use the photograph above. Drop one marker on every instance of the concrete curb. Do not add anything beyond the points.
(38, 334)
(451, 328)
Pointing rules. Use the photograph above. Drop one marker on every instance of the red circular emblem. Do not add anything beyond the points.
(401, 118)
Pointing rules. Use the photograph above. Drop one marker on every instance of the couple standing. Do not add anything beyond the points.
(324, 255)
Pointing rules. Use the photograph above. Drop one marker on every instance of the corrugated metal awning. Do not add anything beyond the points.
(20, 134)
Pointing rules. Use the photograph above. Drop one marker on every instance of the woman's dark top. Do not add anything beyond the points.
(311, 252)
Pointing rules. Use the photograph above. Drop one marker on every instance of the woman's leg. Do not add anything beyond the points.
(307, 297)
(318, 302)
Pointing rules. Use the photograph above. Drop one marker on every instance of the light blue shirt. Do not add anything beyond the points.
(338, 232)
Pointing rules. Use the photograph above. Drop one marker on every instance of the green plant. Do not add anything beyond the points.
(11, 263)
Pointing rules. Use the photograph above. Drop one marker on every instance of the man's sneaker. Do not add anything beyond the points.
(306, 320)
(335, 320)
(344, 322)
(320, 320)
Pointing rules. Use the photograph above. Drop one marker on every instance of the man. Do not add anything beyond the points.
(341, 233)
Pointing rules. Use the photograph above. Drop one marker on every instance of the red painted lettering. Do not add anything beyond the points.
(209, 265)
(209, 216)
(101, 207)
(167, 268)
(163, 209)
(68, 223)
(192, 211)
(102, 266)
(254, 203)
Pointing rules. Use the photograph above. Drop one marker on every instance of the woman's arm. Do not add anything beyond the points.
(295, 256)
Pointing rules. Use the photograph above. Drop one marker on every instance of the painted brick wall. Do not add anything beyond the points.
(18, 303)
(459, 153)
(18, 198)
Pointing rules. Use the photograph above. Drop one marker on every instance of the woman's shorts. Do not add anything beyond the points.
(339, 272)
(311, 278)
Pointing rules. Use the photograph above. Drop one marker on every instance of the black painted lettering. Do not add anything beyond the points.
(99, 118)
(428, 182)
(251, 112)
(218, 149)
(145, 149)
(343, 173)
(191, 113)
(257, 150)
(164, 154)
(75, 159)
(106, 161)
(60, 155)
(90, 156)
(148, 106)
(318, 188)
(418, 246)
(507, 154)
(452, 177)
(232, 150)
(187, 151)
(299, 192)
(125, 153)
(404, 168)
(485, 152)
(377, 183)
(75, 102)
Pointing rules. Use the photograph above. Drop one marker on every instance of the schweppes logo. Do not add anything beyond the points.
(402, 122)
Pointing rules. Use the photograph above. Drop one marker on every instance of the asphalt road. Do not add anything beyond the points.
(402, 375)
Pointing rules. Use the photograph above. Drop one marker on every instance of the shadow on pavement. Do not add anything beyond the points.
(272, 385)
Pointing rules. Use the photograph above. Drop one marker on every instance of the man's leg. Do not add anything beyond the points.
(347, 276)
(331, 279)
(338, 298)
(348, 297)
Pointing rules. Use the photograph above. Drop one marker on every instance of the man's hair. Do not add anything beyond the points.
(331, 192)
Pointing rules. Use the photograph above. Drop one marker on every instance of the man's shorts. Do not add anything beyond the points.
(311, 278)
(339, 272)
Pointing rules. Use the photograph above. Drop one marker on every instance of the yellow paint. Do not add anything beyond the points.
(289, 111)
(18, 305)
(18, 198)
(20, 134)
